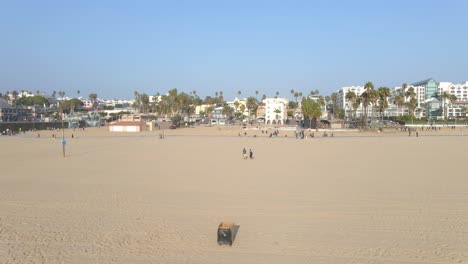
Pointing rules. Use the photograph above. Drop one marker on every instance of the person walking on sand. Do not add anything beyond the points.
(244, 152)
(250, 153)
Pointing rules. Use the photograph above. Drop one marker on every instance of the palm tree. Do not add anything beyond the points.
(144, 100)
(15, 96)
(78, 93)
(264, 97)
(366, 98)
(277, 93)
(256, 94)
(351, 97)
(252, 105)
(54, 93)
(242, 110)
(374, 98)
(61, 94)
(334, 99)
(277, 112)
(236, 105)
(403, 87)
(452, 98)
(384, 93)
(93, 99)
(239, 93)
(293, 93)
(321, 101)
(399, 101)
(445, 96)
(311, 109)
(411, 101)
(356, 105)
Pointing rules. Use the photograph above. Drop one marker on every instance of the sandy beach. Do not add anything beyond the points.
(359, 197)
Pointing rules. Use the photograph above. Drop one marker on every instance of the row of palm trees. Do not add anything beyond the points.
(376, 100)
(183, 104)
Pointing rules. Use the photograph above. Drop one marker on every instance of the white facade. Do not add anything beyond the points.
(275, 110)
(451, 109)
(455, 109)
(240, 103)
(344, 104)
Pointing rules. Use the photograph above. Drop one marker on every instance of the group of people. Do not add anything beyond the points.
(244, 153)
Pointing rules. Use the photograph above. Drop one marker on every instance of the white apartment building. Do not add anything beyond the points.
(425, 91)
(454, 109)
(344, 104)
(275, 110)
(241, 104)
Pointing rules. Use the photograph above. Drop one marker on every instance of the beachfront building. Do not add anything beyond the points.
(458, 107)
(260, 114)
(10, 113)
(427, 93)
(347, 105)
(239, 106)
(275, 110)
(128, 126)
(6, 110)
(133, 123)
(217, 116)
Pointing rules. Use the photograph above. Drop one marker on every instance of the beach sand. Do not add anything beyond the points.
(134, 198)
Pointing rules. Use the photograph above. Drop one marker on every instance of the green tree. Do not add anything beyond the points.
(311, 110)
(252, 105)
(15, 97)
(366, 98)
(321, 101)
(399, 102)
(334, 100)
(292, 105)
(351, 97)
(411, 101)
(384, 93)
(144, 100)
(32, 100)
(93, 99)
(228, 112)
(242, 110)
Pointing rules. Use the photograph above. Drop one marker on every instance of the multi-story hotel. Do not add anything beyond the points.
(428, 92)
(275, 110)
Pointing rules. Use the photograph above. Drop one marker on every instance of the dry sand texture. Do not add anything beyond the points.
(139, 199)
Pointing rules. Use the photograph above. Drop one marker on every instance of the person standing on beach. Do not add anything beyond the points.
(244, 153)
(250, 153)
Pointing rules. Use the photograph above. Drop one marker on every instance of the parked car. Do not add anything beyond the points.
(173, 127)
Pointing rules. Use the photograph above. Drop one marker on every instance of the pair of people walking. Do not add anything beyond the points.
(244, 152)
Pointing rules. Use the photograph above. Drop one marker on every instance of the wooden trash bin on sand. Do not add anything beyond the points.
(226, 233)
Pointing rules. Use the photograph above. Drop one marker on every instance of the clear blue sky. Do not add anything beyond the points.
(116, 47)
